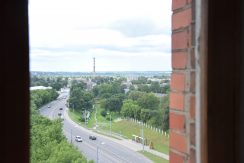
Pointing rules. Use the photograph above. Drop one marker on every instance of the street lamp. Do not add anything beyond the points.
(95, 115)
(71, 136)
(110, 123)
(142, 135)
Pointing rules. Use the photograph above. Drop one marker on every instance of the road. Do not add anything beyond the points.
(102, 150)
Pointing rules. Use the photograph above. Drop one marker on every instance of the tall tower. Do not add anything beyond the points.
(94, 65)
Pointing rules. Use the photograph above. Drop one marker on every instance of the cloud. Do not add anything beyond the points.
(66, 35)
(136, 27)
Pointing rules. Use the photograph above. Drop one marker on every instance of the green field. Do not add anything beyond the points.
(125, 128)
(154, 158)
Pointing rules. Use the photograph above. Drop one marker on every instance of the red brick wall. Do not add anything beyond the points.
(182, 96)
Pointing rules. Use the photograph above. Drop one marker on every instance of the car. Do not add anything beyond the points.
(59, 114)
(92, 137)
(60, 108)
(48, 106)
(78, 138)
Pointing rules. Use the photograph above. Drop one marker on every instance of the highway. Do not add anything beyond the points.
(102, 150)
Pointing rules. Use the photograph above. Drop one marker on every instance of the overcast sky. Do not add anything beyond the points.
(123, 35)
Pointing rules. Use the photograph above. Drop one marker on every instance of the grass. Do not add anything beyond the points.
(123, 127)
(128, 128)
(153, 157)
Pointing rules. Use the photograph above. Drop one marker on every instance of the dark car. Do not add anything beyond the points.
(92, 137)
(59, 114)
(60, 108)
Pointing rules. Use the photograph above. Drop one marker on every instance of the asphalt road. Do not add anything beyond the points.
(102, 150)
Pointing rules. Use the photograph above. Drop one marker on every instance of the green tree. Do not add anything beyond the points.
(114, 103)
(80, 100)
(166, 89)
(135, 95)
(143, 88)
(165, 112)
(148, 101)
(129, 107)
(155, 87)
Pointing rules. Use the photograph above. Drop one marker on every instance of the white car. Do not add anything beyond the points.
(78, 139)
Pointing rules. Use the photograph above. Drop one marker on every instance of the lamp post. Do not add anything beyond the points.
(95, 116)
(71, 136)
(142, 135)
(110, 123)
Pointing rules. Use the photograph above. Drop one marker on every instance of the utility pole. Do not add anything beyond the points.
(85, 118)
(110, 124)
(95, 115)
(94, 66)
(71, 136)
(142, 135)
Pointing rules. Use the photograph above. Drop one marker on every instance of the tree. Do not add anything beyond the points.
(114, 103)
(143, 88)
(145, 115)
(166, 89)
(148, 101)
(132, 88)
(80, 100)
(165, 112)
(129, 107)
(141, 80)
(135, 95)
(155, 87)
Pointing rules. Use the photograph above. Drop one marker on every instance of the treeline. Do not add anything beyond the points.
(153, 87)
(110, 93)
(80, 99)
(136, 104)
(147, 108)
(55, 82)
(48, 143)
(145, 85)
(41, 97)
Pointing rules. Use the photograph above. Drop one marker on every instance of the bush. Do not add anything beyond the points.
(103, 113)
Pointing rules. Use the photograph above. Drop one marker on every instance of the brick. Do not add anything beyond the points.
(177, 81)
(177, 121)
(176, 4)
(192, 156)
(176, 101)
(179, 40)
(192, 107)
(175, 158)
(182, 19)
(179, 60)
(192, 134)
(178, 142)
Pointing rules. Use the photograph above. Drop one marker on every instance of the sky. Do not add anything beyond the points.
(123, 35)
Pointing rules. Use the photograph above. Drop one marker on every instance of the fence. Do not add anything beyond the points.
(166, 134)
